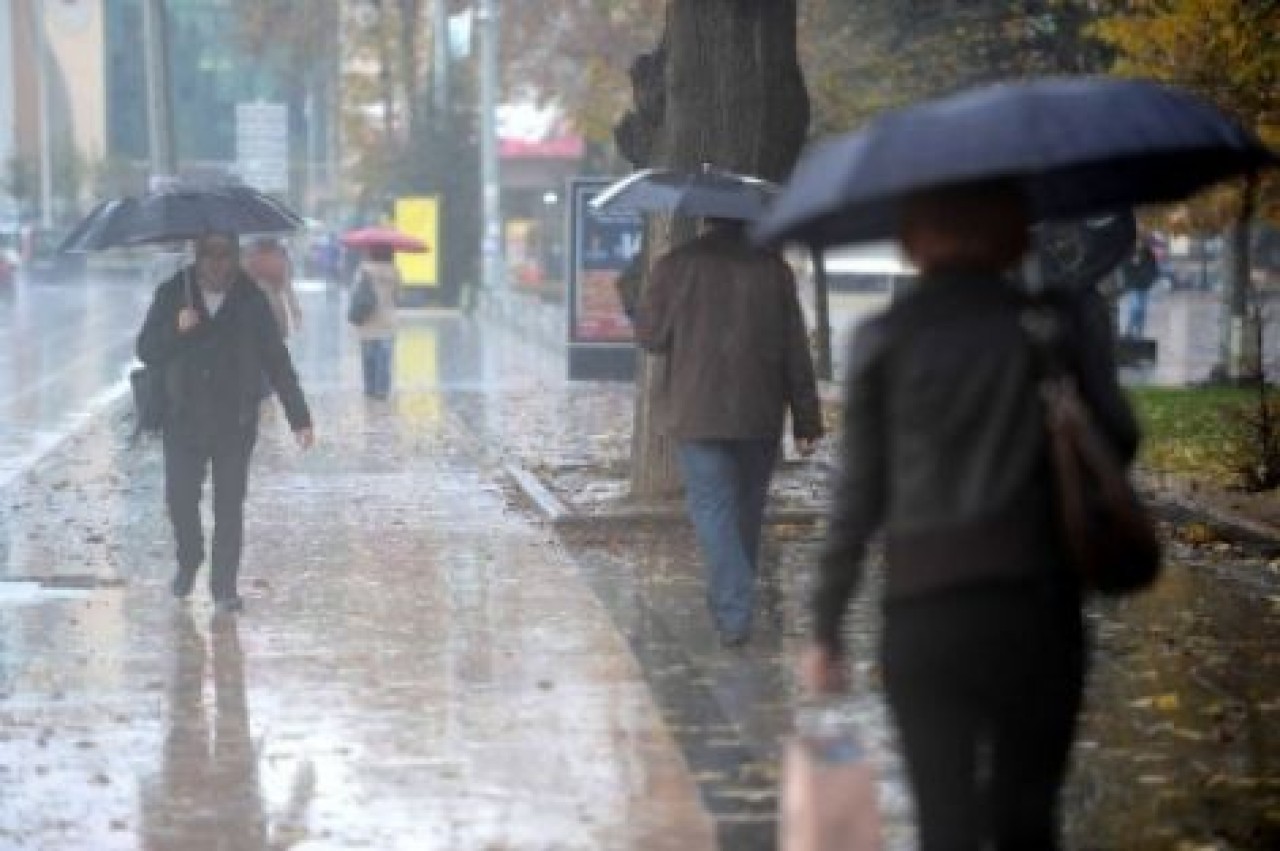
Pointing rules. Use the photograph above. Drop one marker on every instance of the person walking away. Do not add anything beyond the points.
(1138, 275)
(211, 332)
(728, 318)
(378, 332)
(268, 264)
(983, 651)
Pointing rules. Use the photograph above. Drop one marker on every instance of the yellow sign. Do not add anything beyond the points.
(420, 217)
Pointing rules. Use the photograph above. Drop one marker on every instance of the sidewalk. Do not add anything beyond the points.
(419, 666)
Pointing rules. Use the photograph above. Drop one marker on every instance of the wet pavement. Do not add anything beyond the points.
(426, 664)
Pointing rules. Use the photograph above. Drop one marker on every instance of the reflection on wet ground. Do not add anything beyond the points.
(422, 666)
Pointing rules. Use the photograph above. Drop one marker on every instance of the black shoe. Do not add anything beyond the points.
(734, 639)
(228, 606)
(182, 583)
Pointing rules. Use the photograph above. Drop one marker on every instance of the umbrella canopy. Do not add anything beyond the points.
(102, 227)
(1077, 146)
(709, 193)
(174, 214)
(383, 237)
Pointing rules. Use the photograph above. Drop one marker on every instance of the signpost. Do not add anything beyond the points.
(262, 145)
(601, 246)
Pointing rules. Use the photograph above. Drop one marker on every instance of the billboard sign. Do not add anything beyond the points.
(419, 216)
(262, 145)
(601, 245)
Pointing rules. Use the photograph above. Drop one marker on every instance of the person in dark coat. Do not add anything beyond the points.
(728, 318)
(212, 333)
(983, 650)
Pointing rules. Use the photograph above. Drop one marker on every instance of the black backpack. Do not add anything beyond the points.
(363, 301)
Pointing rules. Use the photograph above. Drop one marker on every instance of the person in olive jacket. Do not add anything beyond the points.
(211, 332)
(727, 316)
(944, 449)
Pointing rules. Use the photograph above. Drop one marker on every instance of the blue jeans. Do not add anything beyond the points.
(726, 484)
(375, 357)
(1136, 323)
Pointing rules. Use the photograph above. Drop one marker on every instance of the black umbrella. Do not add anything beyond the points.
(173, 214)
(1077, 146)
(101, 227)
(709, 193)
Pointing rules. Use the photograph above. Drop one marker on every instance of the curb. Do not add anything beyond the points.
(554, 510)
(1161, 490)
(543, 499)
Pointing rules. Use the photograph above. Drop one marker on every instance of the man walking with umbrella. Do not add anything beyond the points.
(211, 333)
(727, 316)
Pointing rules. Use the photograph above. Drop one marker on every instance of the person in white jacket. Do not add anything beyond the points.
(378, 332)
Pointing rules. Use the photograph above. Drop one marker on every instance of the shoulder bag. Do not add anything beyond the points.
(1111, 536)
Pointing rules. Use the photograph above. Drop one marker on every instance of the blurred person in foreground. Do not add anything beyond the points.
(983, 651)
(727, 317)
(211, 332)
(378, 332)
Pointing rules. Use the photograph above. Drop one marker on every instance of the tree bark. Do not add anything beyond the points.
(1243, 362)
(410, 19)
(725, 88)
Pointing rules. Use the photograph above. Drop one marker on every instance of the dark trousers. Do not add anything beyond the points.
(985, 688)
(376, 360)
(186, 462)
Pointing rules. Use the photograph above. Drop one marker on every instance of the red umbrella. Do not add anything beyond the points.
(383, 237)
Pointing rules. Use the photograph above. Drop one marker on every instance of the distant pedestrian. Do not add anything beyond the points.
(727, 317)
(983, 650)
(378, 332)
(1138, 274)
(268, 264)
(211, 332)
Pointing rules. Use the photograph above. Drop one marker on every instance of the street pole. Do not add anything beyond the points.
(313, 146)
(334, 107)
(42, 96)
(159, 114)
(491, 207)
(439, 61)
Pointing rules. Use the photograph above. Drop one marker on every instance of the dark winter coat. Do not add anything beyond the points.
(944, 444)
(727, 316)
(213, 374)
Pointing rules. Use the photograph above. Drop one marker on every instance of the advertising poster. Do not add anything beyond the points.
(420, 217)
(601, 246)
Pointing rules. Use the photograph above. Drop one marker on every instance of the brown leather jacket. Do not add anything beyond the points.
(727, 316)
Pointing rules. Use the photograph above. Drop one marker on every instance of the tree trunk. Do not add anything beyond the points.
(1242, 361)
(385, 78)
(410, 66)
(725, 88)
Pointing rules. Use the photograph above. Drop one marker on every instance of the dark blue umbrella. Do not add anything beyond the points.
(709, 193)
(1077, 146)
(173, 214)
(102, 227)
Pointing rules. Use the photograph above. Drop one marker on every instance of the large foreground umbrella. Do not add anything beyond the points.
(173, 214)
(383, 237)
(1077, 146)
(709, 193)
